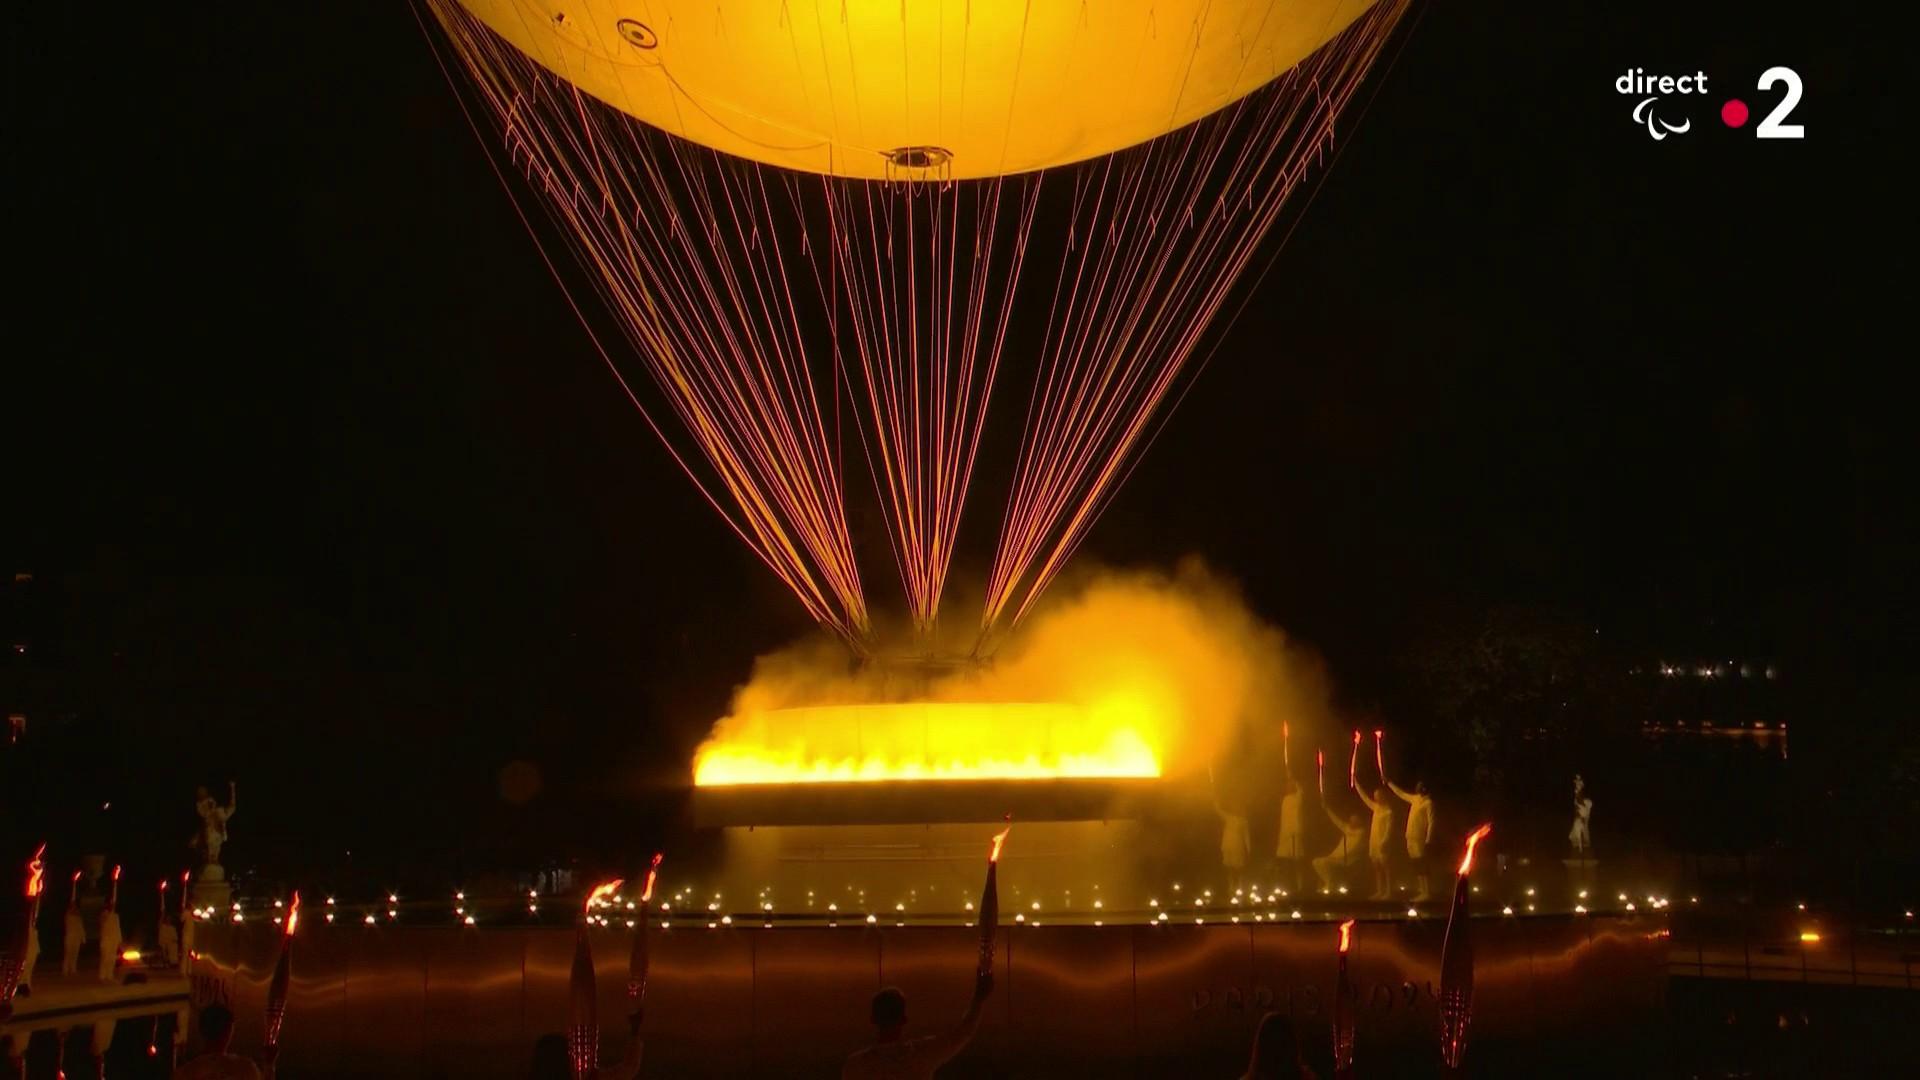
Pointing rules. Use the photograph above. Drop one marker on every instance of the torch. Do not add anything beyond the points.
(1320, 770)
(1380, 753)
(990, 901)
(583, 1018)
(1286, 747)
(282, 975)
(1353, 764)
(637, 960)
(14, 963)
(1456, 963)
(1343, 1006)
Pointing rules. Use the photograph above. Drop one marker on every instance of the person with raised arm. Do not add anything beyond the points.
(1290, 852)
(1347, 851)
(1379, 839)
(893, 1056)
(1419, 832)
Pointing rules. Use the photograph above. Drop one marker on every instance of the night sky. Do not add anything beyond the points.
(310, 455)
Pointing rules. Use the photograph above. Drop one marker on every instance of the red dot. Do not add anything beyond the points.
(1734, 113)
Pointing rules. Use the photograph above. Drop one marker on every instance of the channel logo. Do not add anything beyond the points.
(1664, 104)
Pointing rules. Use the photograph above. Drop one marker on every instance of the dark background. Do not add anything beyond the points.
(323, 489)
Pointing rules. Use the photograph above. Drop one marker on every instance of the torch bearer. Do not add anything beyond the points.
(1343, 1007)
(74, 930)
(637, 960)
(1456, 964)
(990, 901)
(14, 963)
(110, 928)
(186, 923)
(282, 975)
(583, 1018)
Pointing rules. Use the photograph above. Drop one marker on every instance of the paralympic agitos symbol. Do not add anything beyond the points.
(1643, 114)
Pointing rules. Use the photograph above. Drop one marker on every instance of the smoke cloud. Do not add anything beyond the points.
(1174, 661)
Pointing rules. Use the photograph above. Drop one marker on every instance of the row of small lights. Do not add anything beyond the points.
(597, 916)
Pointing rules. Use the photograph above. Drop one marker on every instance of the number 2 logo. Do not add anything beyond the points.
(1771, 127)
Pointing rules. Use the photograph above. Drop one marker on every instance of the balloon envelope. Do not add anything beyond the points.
(931, 89)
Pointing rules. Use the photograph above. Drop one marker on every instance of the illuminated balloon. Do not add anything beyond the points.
(712, 169)
(887, 88)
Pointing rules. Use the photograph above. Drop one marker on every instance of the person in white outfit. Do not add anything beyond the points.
(1379, 839)
(1290, 853)
(1348, 852)
(1419, 832)
(1581, 836)
(1235, 844)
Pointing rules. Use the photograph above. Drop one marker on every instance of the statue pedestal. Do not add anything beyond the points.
(1581, 871)
(210, 889)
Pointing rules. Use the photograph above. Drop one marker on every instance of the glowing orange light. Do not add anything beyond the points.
(293, 912)
(1473, 838)
(933, 741)
(1810, 937)
(1000, 838)
(601, 892)
(1346, 932)
(1320, 769)
(1286, 744)
(1379, 752)
(653, 872)
(1353, 763)
(36, 872)
(130, 956)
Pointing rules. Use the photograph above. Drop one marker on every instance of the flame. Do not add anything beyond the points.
(653, 872)
(932, 741)
(1000, 838)
(1474, 837)
(130, 955)
(36, 872)
(601, 892)
(1353, 763)
(293, 912)
(1320, 769)
(1346, 931)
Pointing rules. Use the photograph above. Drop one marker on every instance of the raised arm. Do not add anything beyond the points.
(233, 799)
(629, 1066)
(939, 1049)
(1403, 793)
(1365, 798)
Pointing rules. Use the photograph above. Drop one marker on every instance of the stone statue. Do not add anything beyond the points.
(213, 827)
